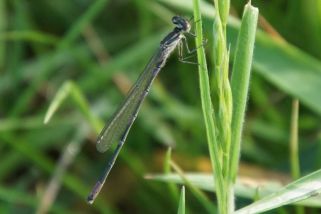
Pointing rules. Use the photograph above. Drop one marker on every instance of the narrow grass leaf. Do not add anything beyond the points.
(69, 88)
(243, 188)
(83, 106)
(240, 80)
(28, 36)
(61, 95)
(181, 206)
(304, 188)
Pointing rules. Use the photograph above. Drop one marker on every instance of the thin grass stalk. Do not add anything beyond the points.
(295, 163)
(208, 111)
(173, 191)
(294, 144)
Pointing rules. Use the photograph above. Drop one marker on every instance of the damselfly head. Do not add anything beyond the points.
(181, 23)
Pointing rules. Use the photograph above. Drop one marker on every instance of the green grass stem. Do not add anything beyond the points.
(207, 108)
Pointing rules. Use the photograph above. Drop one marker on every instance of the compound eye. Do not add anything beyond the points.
(175, 19)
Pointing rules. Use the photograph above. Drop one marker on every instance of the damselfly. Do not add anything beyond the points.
(118, 127)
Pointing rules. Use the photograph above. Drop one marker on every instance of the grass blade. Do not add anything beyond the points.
(69, 88)
(301, 189)
(243, 188)
(240, 80)
(181, 207)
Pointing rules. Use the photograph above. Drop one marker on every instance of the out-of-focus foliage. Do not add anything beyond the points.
(101, 47)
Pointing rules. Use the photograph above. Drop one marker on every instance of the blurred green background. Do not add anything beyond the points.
(91, 52)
